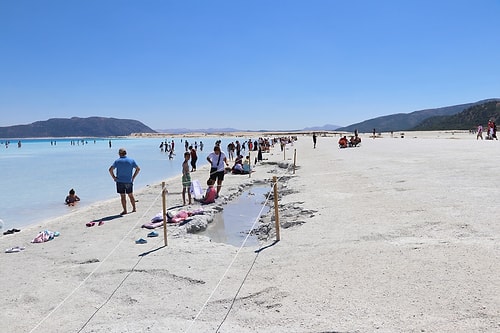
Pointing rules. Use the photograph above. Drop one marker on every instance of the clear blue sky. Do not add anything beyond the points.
(247, 64)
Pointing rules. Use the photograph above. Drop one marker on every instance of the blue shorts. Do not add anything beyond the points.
(123, 188)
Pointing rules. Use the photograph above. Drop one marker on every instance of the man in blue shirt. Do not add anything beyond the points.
(124, 178)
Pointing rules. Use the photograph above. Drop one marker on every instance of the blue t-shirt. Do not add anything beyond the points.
(124, 169)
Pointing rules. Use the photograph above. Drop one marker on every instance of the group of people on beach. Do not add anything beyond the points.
(241, 167)
(343, 142)
(218, 161)
(124, 171)
(352, 142)
(491, 131)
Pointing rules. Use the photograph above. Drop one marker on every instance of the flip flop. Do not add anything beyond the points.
(90, 224)
(141, 241)
(14, 249)
(153, 234)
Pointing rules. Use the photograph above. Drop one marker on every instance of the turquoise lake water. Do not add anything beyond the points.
(37, 176)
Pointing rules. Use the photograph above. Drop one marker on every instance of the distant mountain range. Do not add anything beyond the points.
(463, 116)
(76, 127)
(230, 129)
(424, 120)
(470, 118)
(198, 130)
(414, 120)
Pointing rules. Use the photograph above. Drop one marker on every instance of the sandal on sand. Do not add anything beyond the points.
(14, 249)
(153, 234)
(90, 224)
(141, 241)
(11, 231)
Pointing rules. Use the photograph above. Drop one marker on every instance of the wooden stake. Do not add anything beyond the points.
(294, 160)
(164, 204)
(276, 212)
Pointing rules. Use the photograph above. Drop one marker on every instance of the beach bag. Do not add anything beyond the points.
(214, 170)
(196, 189)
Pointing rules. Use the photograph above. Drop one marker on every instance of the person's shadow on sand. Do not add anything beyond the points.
(151, 251)
(108, 218)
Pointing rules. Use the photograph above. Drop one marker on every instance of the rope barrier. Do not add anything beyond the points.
(139, 260)
(237, 292)
(93, 272)
(226, 271)
(249, 270)
(229, 267)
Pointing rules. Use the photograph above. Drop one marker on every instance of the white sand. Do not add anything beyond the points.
(398, 235)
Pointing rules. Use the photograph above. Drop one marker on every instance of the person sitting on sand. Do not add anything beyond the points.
(210, 194)
(343, 142)
(354, 141)
(72, 198)
(247, 168)
(237, 169)
(238, 165)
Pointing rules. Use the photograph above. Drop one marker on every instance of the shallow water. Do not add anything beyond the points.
(233, 224)
(37, 176)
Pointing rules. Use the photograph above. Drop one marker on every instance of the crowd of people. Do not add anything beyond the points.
(124, 170)
(127, 169)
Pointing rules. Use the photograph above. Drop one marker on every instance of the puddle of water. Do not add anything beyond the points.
(232, 225)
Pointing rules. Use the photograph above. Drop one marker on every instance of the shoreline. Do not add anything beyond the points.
(72, 228)
(256, 134)
(20, 210)
(394, 235)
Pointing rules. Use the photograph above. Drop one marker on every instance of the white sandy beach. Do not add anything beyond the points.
(398, 235)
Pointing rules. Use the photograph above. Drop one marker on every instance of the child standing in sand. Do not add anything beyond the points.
(72, 198)
(186, 178)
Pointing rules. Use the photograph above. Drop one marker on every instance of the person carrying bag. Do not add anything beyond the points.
(217, 169)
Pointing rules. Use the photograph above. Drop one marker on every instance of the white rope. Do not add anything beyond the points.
(138, 261)
(95, 269)
(227, 270)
